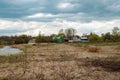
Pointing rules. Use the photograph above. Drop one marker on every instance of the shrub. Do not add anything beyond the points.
(42, 38)
(94, 38)
(93, 49)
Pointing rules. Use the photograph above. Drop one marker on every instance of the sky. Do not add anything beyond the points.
(49, 16)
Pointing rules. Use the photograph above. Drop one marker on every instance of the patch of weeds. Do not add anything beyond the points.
(39, 76)
(4, 79)
(27, 46)
(12, 58)
(109, 64)
(81, 44)
(107, 44)
(62, 57)
(11, 79)
(65, 72)
(118, 47)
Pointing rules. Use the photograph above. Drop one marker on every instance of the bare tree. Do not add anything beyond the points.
(116, 31)
(61, 31)
(70, 32)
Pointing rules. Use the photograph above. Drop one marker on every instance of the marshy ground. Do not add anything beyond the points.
(63, 62)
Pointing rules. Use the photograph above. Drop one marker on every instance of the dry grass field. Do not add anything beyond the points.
(63, 62)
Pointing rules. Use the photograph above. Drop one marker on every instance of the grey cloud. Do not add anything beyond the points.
(91, 10)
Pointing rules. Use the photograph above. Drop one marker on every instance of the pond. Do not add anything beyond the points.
(8, 50)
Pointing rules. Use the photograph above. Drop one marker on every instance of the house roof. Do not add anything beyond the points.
(84, 37)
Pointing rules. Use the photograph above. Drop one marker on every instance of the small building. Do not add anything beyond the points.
(70, 41)
(80, 39)
(59, 39)
(65, 39)
(84, 39)
(76, 38)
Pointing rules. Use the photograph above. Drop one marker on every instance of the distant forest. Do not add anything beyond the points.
(112, 36)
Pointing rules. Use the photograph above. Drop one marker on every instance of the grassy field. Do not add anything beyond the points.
(67, 61)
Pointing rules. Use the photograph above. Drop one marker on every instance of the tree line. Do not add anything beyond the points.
(69, 33)
(9, 40)
(113, 36)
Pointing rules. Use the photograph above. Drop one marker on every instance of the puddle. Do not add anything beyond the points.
(8, 50)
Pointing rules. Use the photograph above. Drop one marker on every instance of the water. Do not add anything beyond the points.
(8, 50)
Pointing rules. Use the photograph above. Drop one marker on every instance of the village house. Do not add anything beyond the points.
(79, 39)
(84, 39)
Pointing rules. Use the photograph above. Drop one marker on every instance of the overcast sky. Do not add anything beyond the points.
(49, 16)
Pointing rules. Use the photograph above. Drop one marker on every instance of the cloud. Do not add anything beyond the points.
(30, 16)
(94, 10)
(65, 6)
(47, 28)
(114, 7)
(41, 15)
(19, 2)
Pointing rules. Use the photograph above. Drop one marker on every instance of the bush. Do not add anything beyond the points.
(22, 39)
(40, 39)
(94, 38)
(93, 49)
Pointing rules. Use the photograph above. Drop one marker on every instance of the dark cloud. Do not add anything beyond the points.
(92, 10)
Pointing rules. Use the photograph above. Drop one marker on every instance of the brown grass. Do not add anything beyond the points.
(61, 62)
